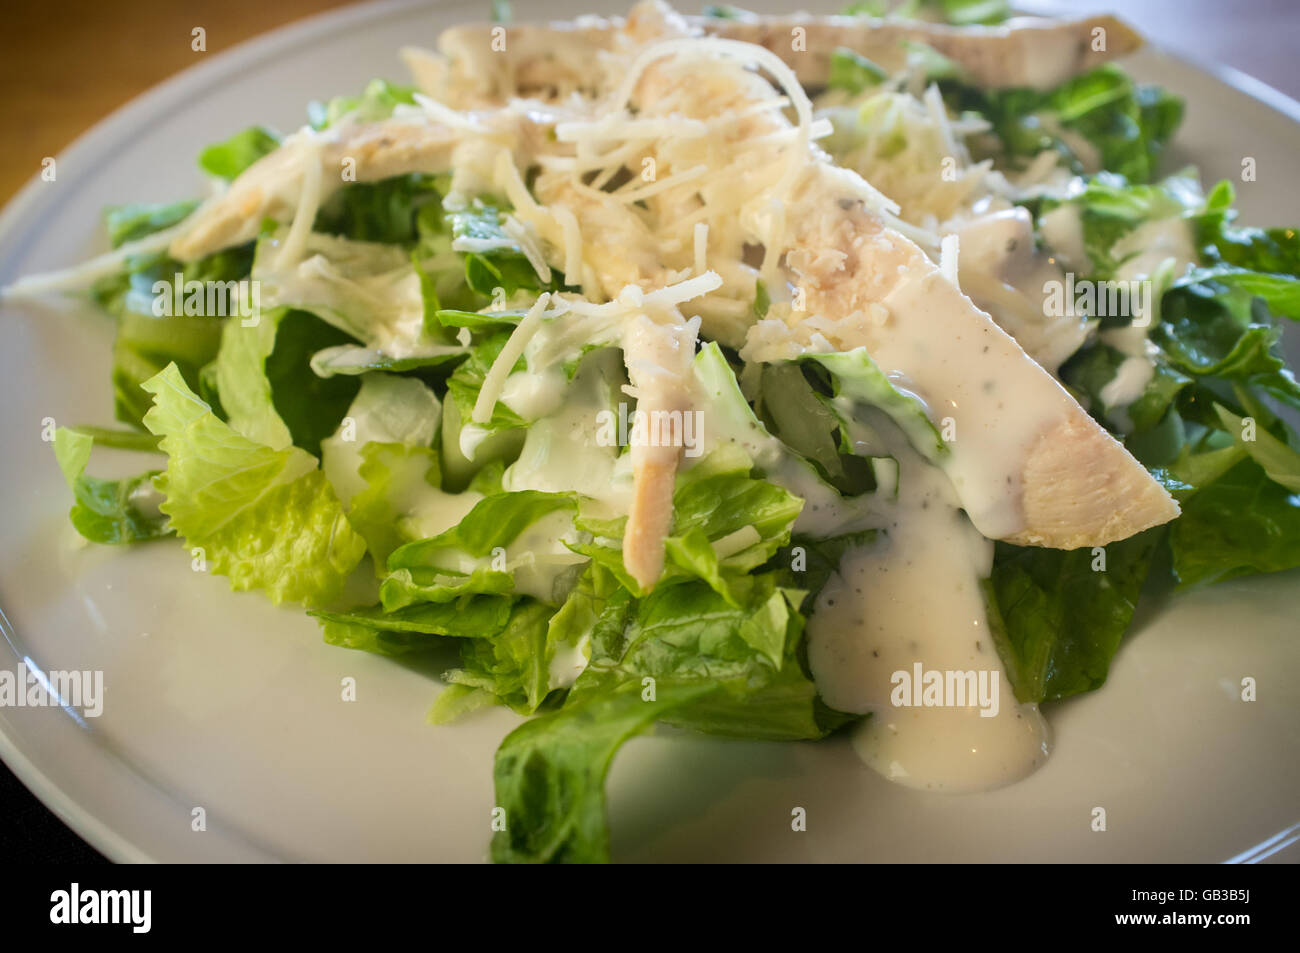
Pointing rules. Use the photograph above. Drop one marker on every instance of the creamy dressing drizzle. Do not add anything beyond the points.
(914, 597)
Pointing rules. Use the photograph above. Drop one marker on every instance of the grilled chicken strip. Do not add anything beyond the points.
(658, 359)
(1023, 52)
(271, 187)
(555, 59)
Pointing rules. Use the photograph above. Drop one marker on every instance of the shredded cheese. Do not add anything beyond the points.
(309, 197)
(948, 249)
(495, 379)
(528, 245)
(701, 246)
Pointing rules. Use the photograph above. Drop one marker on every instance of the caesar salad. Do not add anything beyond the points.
(759, 376)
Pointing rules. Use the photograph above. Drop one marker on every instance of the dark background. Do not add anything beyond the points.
(64, 66)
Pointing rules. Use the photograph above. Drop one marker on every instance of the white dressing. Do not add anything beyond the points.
(562, 452)
(913, 597)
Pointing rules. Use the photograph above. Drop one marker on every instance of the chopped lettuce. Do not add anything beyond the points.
(550, 773)
(270, 393)
(1216, 359)
(854, 73)
(264, 517)
(387, 410)
(1123, 126)
(1240, 524)
(146, 342)
(1057, 617)
(107, 511)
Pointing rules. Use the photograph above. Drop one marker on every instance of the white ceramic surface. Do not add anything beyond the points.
(220, 701)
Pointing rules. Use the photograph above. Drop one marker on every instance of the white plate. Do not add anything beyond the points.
(219, 701)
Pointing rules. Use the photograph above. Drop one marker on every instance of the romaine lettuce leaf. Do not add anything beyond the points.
(550, 774)
(1127, 124)
(725, 523)
(857, 377)
(1239, 524)
(513, 663)
(1057, 618)
(146, 343)
(269, 393)
(136, 220)
(501, 267)
(363, 638)
(853, 72)
(386, 410)
(689, 633)
(266, 518)
(521, 533)
(471, 617)
(107, 511)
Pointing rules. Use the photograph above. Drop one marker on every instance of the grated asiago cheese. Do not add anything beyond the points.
(572, 232)
(448, 116)
(613, 127)
(528, 244)
(747, 53)
(662, 185)
(495, 379)
(948, 249)
(309, 199)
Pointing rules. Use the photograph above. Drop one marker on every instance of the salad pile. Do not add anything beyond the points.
(398, 401)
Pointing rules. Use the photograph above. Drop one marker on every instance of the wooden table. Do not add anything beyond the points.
(66, 65)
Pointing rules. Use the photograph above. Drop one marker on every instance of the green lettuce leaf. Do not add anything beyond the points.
(266, 518)
(107, 511)
(386, 410)
(1239, 524)
(853, 72)
(145, 342)
(1126, 123)
(269, 393)
(472, 617)
(1057, 616)
(363, 638)
(550, 774)
(514, 663)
